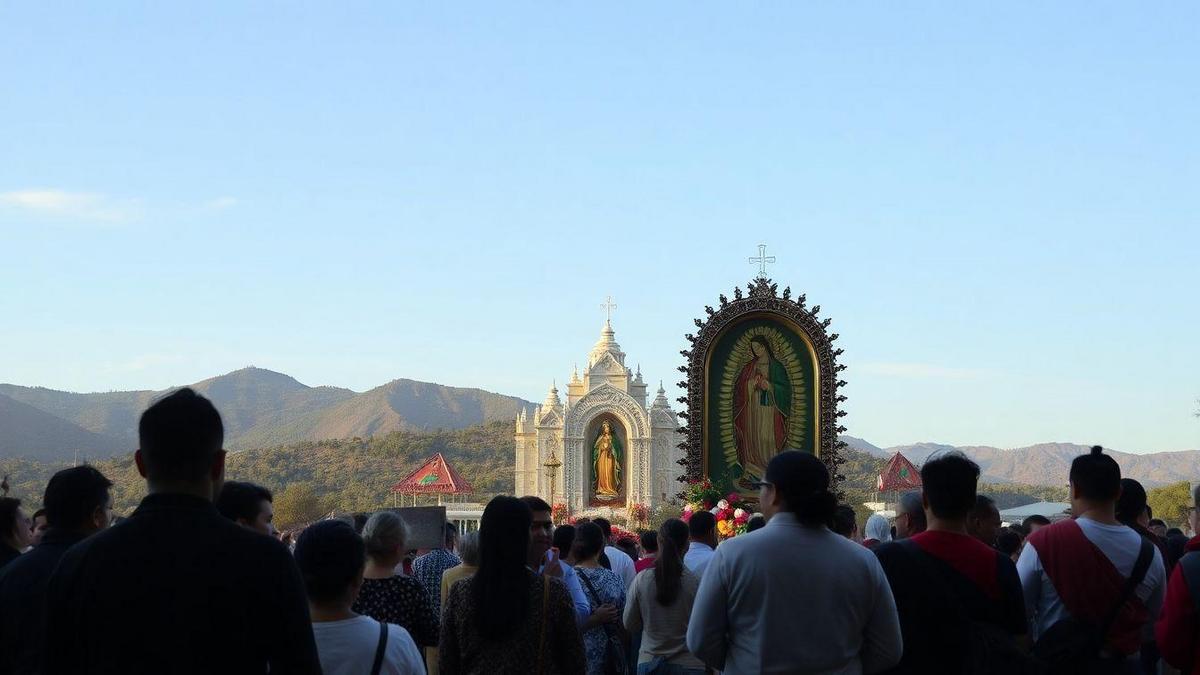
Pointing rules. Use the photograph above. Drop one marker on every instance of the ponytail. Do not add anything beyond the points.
(668, 566)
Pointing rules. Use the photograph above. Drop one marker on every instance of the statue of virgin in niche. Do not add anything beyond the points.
(606, 464)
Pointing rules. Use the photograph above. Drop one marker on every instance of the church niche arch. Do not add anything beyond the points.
(605, 401)
(621, 433)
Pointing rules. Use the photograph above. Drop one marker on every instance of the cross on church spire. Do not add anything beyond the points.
(762, 260)
(609, 306)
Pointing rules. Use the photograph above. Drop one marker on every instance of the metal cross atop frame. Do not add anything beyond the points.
(762, 260)
(609, 306)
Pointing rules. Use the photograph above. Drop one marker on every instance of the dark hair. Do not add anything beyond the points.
(766, 345)
(242, 500)
(1132, 502)
(1096, 476)
(668, 566)
(844, 520)
(1008, 541)
(39, 513)
(755, 523)
(499, 589)
(536, 504)
(1035, 519)
(331, 557)
(802, 481)
(983, 504)
(73, 495)
(8, 516)
(629, 546)
(649, 541)
(451, 532)
(589, 541)
(701, 524)
(605, 527)
(179, 436)
(1157, 521)
(949, 482)
(564, 539)
(359, 521)
(1174, 532)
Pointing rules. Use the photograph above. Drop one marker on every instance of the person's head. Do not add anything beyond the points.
(760, 347)
(1034, 523)
(845, 521)
(385, 536)
(499, 589)
(649, 541)
(798, 483)
(668, 565)
(248, 505)
(605, 529)
(629, 546)
(589, 542)
(1095, 482)
(78, 499)
(179, 439)
(541, 528)
(564, 540)
(877, 528)
(450, 538)
(38, 527)
(331, 559)
(910, 516)
(755, 523)
(1009, 543)
(468, 548)
(14, 524)
(983, 522)
(1158, 527)
(1174, 532)
(948, 483)
(1131, 505)
(702, 527)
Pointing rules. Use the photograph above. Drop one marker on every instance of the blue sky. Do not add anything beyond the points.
(996, 205)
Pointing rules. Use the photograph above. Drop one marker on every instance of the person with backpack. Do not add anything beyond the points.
(1091, 584)
(960, 602)
(1178, 627)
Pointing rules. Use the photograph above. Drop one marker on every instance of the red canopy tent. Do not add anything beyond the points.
(899, 475)
(435, 476)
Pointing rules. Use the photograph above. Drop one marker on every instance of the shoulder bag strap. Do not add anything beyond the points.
(542, 636)
(377, 667)
(1145, 556)
(592, 589)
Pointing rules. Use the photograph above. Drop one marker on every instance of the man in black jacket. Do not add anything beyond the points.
(77, 504)
(176, 588)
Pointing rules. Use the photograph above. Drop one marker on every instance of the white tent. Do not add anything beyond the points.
(1048, 509)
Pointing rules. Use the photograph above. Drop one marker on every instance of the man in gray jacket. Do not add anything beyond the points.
(794, 597)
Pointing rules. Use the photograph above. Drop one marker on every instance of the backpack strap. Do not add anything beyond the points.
(1190, 565)
(1145, 557)
(377, 667)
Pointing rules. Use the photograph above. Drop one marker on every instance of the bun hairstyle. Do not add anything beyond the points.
(1096, 476)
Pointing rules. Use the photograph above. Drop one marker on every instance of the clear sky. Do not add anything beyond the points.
(997, 206)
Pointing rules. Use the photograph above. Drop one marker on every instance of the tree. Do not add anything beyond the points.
(299, 503)
(1170, 503)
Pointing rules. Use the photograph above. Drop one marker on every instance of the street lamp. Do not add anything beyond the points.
(552, 465)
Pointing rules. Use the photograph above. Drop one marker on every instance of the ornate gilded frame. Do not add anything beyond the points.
(762, 298)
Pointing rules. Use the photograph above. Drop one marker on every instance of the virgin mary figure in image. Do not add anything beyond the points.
(606, 464)
(762, 399)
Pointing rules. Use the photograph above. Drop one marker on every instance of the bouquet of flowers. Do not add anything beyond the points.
(639, 514)
(559, 513)
(732, 511)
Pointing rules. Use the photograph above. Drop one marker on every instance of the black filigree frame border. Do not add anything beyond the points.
(762, 296)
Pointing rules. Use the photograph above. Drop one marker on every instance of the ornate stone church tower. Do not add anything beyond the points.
(561, 457)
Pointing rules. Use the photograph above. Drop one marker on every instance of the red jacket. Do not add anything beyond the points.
(1177, 630)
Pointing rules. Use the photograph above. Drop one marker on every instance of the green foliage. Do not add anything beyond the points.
(299, 503)
(1170, 503)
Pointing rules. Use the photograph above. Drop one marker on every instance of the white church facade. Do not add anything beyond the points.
(606, 447)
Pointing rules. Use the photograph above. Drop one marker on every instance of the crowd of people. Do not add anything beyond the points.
(197, 580)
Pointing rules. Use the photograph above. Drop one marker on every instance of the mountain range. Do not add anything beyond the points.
(1047, 463)
(263, 408)
(260, 408)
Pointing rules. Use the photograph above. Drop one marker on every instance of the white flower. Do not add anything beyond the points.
(722, 505)
(738, 513)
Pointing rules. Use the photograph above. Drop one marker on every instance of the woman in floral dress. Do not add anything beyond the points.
(602, 587)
